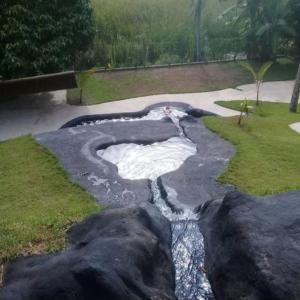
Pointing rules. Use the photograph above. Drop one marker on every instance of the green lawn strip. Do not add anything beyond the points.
(267, 160)
(38, 203)
(112, 86)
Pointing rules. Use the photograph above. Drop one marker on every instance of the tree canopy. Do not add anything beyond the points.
(43, 36)
(47, 36)
(141, 32)
(266, 25)
(293, 19)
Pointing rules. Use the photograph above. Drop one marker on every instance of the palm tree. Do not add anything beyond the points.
(293, 19)
(197, 17)
(245, 15)
(296, 93)
(262, 23)
(257, 76)
(272, 27)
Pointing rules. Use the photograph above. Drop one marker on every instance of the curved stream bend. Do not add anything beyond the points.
(150, 162)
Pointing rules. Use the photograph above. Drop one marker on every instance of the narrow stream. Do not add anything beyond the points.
(187, 250)
(150, 162)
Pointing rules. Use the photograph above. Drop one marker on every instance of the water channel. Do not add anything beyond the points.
(137, 161)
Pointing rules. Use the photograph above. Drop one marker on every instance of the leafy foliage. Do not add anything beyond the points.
(42, 36)
(143, 32)
(264, 26)
(82, 79)
(84, 76)
(138, 32)
(293, 19)
(39, 36)
(197, 17)
(259, 75)
(245, 110)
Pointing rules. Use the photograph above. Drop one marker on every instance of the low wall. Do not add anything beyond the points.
(37, 84)
(102, 70)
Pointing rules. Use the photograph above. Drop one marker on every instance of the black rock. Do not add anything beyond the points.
(195, 181)
(117, 254)
(252, 246)
(76, 150)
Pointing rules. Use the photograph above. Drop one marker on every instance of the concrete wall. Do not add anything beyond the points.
(37, 84)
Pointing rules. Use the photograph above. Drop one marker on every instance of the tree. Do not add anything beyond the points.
(197, 16)
(250, 17)
(263, 25)
(257, 76)
(272, 27)
(143, 32)
(245, 15)
(245, 110)
(40, 36)
(293, 19)
(296, 93)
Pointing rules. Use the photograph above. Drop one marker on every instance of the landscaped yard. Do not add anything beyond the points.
(111, 86)
(38, 202)
(268, 151)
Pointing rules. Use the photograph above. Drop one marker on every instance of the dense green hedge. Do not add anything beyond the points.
(40, 36)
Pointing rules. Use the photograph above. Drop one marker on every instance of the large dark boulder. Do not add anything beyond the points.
(253, 246)
(117, 254)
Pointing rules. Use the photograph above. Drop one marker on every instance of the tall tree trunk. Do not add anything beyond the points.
(257, 92)
(197, 27)
(296, 93)
(252, 47)
(198, 45)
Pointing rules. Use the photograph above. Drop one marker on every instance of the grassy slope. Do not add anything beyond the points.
(111, 86)
(268, 157)
(37, 200)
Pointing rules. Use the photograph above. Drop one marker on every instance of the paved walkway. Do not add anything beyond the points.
(47, 112)
(296, 127)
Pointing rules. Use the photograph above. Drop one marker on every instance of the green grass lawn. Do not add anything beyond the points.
(268, 151)
(38, 202)
(111, 86)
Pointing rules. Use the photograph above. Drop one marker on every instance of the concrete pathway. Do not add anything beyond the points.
(48, 112)
(296, 127)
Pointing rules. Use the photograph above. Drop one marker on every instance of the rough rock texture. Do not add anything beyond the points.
(118, 254)
(76, 149)
(195, 182)
(88, 118)
(253, 246)
(183, 190)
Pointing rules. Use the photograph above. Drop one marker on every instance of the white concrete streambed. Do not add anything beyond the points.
(135, 162)
(149, 161)
(153, 115)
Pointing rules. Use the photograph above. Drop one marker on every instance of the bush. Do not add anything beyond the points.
(168, 59)
(38, 37)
